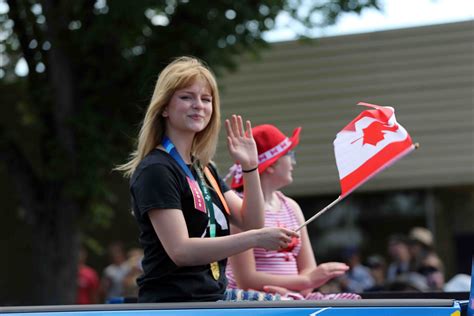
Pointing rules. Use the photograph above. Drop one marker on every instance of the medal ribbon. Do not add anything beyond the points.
(199, 203)
(212, 226)
(171, 149)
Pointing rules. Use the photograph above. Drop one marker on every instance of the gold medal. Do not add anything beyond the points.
(215, 270)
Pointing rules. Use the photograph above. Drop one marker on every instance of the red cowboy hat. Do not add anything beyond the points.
(271, 145)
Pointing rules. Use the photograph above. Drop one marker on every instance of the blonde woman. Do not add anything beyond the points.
(182, 207)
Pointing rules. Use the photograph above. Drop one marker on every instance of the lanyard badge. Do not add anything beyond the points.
(197, 196)
(212, 227)
(201, 202)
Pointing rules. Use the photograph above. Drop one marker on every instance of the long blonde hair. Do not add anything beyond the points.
(179, 74)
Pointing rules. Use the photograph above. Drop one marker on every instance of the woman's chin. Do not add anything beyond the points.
(197, 127)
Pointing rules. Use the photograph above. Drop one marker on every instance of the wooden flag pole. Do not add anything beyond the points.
(319, 213)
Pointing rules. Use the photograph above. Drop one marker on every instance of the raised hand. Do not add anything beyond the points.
(240, 143)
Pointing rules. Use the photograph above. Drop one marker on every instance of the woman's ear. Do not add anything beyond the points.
(165, 112)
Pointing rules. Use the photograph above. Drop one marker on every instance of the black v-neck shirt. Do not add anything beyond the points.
(159, 183)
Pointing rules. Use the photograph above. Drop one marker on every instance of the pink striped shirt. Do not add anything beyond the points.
(281, 262)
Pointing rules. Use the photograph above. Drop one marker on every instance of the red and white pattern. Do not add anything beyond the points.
(236, 169)
(371, 142)
(270, 261)
(316, 296)
(197, 195)
(269, 154)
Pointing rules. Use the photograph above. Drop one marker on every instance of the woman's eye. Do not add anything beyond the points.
(207, 100)
(185, 97)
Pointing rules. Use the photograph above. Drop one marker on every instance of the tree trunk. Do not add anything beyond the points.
(53, 218)
(51, 213)
(55, 250)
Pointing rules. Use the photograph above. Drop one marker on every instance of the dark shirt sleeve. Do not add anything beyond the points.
(157, 187)
(224, 186)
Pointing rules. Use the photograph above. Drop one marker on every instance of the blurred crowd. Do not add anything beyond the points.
(410, 264)
(116, 281)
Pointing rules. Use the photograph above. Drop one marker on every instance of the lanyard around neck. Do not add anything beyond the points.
(171, 149)
(208, 200)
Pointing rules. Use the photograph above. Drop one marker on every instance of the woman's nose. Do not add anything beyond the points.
(198, 104)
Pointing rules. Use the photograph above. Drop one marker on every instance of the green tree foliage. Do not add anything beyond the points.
(92, 65)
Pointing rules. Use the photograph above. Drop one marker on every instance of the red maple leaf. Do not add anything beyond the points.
(374, 133)
(291, 245)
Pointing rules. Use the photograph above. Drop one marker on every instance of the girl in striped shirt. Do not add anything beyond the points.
(293, 270)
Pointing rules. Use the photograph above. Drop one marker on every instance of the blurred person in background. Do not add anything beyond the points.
(409, 282)
(420, 244)
(459, 283)
(358, 278)
(378, 270)
(432, 268)
(114, 274)
(87, 281)
(291, 271)
(400, 258)
(134, 262)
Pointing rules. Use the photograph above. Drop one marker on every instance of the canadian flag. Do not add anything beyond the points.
(371, 142)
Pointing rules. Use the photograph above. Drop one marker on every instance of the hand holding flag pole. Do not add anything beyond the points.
(370, 143)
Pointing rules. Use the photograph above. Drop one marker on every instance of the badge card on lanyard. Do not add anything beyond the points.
(199, 203)
(199, 200)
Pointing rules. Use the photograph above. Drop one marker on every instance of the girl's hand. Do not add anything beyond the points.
(274, 238)
(276, 289)
(326, 271)
(240, 143)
